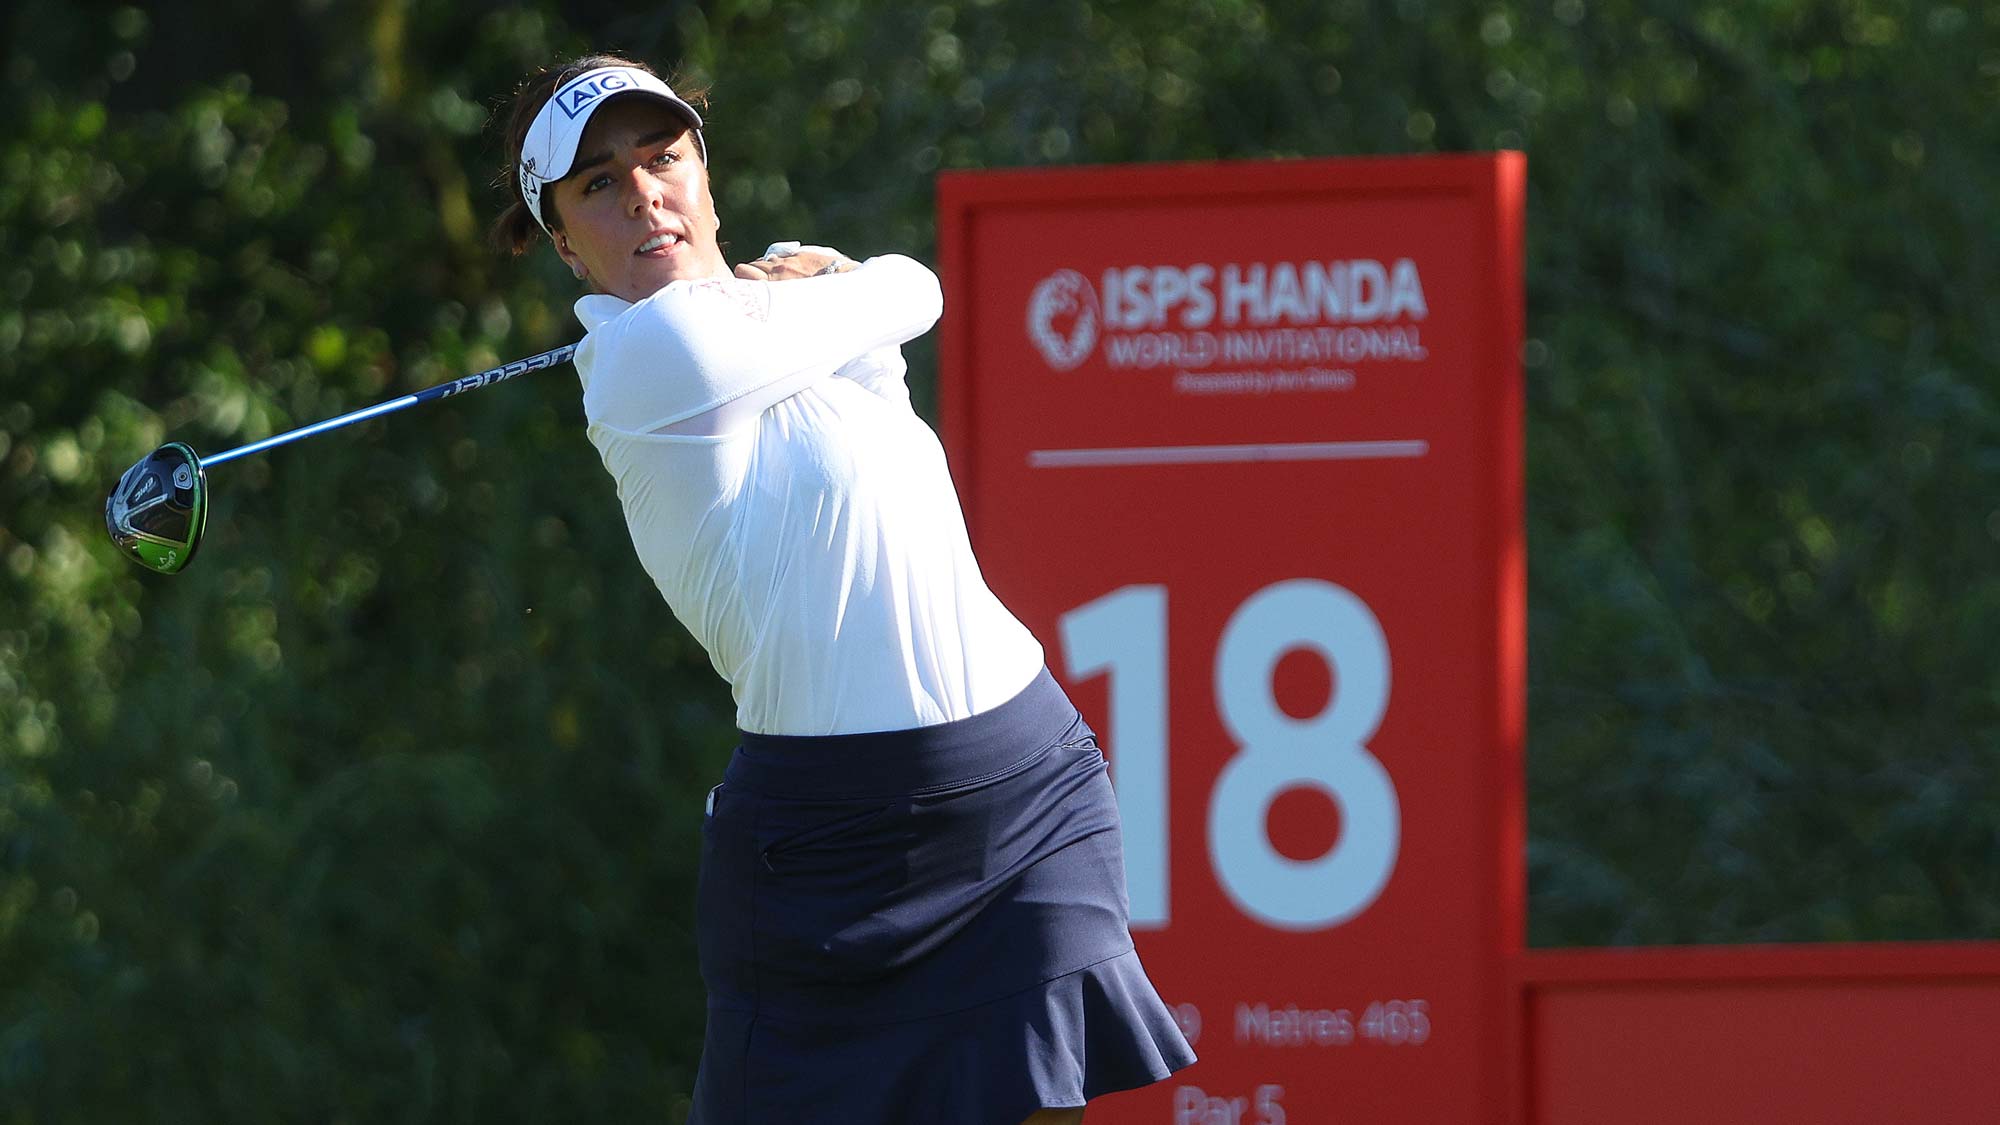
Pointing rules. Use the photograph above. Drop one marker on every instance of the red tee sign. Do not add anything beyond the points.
(1242, 445)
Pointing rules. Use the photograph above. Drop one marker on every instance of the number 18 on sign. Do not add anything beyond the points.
(1241, 444)
(1123, 635)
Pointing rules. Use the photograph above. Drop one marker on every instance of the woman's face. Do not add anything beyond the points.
(635, 211)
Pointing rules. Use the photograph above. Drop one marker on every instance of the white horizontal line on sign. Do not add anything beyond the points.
(1211, 454)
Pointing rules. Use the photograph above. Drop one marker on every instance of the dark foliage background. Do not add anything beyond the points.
(387, 810)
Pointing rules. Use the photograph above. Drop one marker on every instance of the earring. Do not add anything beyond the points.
(580, 272)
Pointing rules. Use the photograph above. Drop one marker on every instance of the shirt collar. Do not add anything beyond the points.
(599, 309)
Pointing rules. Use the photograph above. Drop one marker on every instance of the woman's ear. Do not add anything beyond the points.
(569, 256)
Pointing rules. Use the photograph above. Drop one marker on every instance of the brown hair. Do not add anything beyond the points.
(515, 230)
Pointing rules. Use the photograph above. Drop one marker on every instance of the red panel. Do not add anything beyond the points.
(1829, 1035)
(1696, 964)
(1279, 513)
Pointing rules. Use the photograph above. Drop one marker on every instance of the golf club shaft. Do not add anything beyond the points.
(442, 390)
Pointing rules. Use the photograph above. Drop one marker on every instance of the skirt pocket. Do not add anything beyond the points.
(832, 896)
(831, 843)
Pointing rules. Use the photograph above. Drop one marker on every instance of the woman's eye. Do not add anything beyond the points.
(665, 158)
(595, 183)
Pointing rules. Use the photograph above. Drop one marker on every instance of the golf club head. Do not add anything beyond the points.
(157, 512)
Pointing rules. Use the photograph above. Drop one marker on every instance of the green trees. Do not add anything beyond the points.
(387, 810)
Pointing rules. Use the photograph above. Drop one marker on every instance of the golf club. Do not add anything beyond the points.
(157, 512)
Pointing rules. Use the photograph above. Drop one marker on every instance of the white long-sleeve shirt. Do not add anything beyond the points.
(795, 512)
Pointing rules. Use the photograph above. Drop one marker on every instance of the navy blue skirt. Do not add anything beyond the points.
(921, 926)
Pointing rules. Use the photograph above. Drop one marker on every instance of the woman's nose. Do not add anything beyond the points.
(644, 190)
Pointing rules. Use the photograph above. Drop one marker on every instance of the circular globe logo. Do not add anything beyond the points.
(1063, 318)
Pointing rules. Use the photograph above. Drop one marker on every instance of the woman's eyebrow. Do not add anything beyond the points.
(594, 159)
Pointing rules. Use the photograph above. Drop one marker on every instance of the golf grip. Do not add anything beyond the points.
(471, 382)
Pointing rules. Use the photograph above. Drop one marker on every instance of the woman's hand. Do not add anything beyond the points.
(788, 261)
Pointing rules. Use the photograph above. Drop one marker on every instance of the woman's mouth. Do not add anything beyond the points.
(666, 239)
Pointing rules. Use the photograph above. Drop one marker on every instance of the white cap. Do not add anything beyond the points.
(549, 148)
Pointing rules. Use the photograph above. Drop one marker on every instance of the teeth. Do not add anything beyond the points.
(657, 242)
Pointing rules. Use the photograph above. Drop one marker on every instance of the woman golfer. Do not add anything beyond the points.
(912, 902)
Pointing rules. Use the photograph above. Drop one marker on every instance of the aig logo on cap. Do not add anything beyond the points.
(1063, 318)
(574, 97)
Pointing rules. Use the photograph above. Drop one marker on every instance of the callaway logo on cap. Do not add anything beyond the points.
(549, 148)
